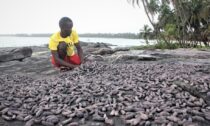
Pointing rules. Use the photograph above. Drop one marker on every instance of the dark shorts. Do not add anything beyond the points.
(70, 59)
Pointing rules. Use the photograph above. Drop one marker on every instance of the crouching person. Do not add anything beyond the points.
(62, 46)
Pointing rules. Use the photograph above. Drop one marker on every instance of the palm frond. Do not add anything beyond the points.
(134, 2)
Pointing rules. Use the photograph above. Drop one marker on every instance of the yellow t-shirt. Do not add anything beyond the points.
(70, 40)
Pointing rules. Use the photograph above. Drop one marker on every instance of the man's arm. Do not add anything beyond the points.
(62, 62)
(79, 51)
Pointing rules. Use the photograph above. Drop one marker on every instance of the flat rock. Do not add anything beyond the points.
(129, 57)
(103, 51)
(16, 54)
(94, 58)
(121, 49)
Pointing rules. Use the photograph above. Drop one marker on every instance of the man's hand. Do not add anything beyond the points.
(63, 69)
(61, 61)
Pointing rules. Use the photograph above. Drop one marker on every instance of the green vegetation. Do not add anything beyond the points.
(146, 33)
(159, 45)
(111, 35)
(184, 22)
(203, 48)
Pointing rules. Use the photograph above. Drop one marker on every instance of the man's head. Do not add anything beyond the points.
(66, 25)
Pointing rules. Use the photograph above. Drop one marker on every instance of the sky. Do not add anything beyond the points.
(89, 16)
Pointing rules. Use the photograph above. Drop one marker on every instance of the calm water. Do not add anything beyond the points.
(38, 41)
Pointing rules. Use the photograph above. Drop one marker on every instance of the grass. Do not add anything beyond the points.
(159, 45)
(203, 48)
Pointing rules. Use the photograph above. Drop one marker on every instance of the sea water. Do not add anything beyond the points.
(11, 41)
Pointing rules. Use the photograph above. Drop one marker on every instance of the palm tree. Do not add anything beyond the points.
(191, 18)
(150, 7)
(146, 33)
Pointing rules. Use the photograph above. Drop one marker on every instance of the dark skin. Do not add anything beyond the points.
(62, 47)
(80, 52)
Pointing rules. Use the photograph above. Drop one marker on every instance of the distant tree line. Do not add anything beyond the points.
(111, 35)
(101, 35)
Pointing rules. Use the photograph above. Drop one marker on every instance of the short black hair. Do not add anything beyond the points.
(63, 21)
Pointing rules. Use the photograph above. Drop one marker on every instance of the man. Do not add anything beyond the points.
(62, 46)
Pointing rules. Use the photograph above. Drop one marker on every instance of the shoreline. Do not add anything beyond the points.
(100, 52)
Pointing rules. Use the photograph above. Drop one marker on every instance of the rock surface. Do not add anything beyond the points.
(15, 54)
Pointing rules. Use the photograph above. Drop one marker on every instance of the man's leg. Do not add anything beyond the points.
(62, 52)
